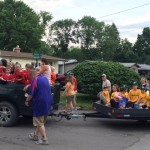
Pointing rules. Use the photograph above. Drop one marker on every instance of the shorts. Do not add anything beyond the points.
(130, 104)
(70, 98)
(39, 121)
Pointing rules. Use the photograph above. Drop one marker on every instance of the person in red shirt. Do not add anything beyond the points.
(18, 74)
(27, 74)
(3, 65)
(53, 75)
(7, 76)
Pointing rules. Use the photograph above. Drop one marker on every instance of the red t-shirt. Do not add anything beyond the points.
(18, 75)
(26, 77)
(75, 83)
(8, 77)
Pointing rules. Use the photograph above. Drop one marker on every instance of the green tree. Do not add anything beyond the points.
(125, 53)
(89, 28)
(46, 17)
(75, 53)
(46, 49)
(142, 46)
(62, 33)
(20, 25)
(109, 42)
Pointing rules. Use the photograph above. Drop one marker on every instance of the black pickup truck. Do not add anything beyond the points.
(12, 102)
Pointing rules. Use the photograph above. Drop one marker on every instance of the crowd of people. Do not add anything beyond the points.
(13, 72)
(123, 97)
(38, 82)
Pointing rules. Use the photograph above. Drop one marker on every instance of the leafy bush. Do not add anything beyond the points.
(89, 74)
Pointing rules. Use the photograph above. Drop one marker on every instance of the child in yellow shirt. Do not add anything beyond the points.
(134, 96)
(143, 98)
(104, 96)
(148, 102)
(125, 93)
(115, 89)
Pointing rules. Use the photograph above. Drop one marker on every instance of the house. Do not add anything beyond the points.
(133, 66)
(144, 70)
(23, 58)
(65, 66)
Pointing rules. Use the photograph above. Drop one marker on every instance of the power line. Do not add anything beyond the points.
(124, 10)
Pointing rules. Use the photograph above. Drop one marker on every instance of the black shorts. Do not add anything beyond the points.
(70, 98)
(130, 104)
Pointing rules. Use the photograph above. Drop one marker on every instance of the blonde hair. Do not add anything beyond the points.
(53, 68)
(143, 79)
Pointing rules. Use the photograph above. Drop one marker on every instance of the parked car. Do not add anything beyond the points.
(12, 102)
(61, 78)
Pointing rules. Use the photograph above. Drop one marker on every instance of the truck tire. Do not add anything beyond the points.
(8, 114)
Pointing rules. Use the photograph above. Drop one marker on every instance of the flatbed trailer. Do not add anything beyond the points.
(115, 113)
(101, 111)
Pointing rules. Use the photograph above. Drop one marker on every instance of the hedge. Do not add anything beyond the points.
(89, 74)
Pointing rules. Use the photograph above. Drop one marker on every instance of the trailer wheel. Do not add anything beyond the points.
(8, 114)
(56, 117)
(68, 117)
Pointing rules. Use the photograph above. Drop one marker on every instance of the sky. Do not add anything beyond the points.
(129, 23)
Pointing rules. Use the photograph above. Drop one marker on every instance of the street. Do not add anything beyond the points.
(94, 134)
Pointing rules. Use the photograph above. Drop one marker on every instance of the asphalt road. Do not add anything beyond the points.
(94, 134)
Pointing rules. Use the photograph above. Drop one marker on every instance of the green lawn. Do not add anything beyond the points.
(84, 101)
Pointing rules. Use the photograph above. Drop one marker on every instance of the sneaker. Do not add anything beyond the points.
(33, 137)
(42, 142)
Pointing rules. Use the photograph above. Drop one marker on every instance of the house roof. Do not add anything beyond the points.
(71, 61)
(129, 65)
(26, 55)
(144, 67)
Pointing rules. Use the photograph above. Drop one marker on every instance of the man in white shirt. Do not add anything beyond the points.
(106, 82)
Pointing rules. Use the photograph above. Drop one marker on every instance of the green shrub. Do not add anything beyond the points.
(89, 74)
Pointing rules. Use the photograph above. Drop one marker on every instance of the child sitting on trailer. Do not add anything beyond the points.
(124, 97)
(134, 96)
(143, 98)
(115, 89)
(125, 93)
(104, 96)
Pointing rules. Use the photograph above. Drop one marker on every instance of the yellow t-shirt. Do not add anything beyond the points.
(144, 97)
(134, 95)
(113, 95)
(106, 95)
(126, 95)
(69, 89)
(148, 101)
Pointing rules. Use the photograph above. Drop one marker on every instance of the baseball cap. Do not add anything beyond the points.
(103, 75)
(135, 83)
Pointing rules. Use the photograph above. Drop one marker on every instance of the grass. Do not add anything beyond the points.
(84, 101)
